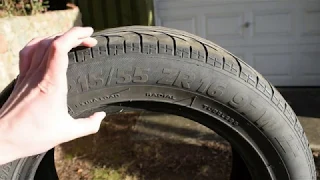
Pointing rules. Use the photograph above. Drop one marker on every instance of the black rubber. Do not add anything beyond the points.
(171, 71)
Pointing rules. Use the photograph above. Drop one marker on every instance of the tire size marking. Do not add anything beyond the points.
(127, 75)
(177, 78)
(174, 77)
(210, 86)
(92, 80)
(160, 95)
(110, 76)
(253, 109)
(220, 114)
(100, 78)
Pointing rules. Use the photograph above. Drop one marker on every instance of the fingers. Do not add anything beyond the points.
(40, 56)
(58, 55)
(32, 55)
(25, 56)
(74, 37)
(86, 126)
(89, 42)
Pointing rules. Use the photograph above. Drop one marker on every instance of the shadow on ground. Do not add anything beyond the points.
(125, 149)
(304, 101)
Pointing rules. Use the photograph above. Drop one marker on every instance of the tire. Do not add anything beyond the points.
(171, 71)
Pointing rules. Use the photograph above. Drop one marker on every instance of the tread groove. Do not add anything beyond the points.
(174, 43)
(91, 53)
(76, 57)
(272, 90)
(223, 62)
(206, 54)
(124, 46)
(107, 46)
(240, 66)
(158, 46)
(174, 51)
(132, 32)
(140, 42)
(285, 107)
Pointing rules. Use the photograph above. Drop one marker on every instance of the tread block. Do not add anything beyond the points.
(231, 65)
(248, 76)
(264, 87)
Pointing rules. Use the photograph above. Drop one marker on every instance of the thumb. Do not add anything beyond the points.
(87, 126)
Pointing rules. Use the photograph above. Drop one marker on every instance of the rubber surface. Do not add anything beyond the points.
(154, 64)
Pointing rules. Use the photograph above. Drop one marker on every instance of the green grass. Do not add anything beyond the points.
(112, 174)
(68, 156)
(102, 173)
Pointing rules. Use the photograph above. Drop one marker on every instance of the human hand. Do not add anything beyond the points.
(35, 117)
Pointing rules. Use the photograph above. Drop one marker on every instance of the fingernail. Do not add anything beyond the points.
(96, 41)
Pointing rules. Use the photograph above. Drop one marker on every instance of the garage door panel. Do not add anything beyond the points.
(311, 23)
(165, 4)
(272, 24)
(263, 41)
(277, 49)
(309, 48)
(273, 64)
(248, 53)
(224, 25)
(310, 64)
(182, 23)
(279, 38)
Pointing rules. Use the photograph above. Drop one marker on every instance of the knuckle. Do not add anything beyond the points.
(76, 28)
(43, 43)
(39, 38)
(35, 39)
(46, 86)
(23, 52)
(56, 38)
(56, 45)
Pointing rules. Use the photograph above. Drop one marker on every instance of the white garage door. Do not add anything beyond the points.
(279, 38)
